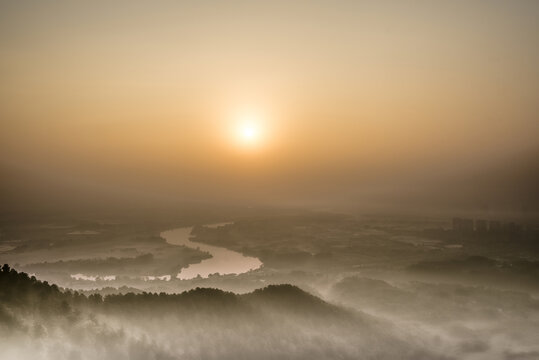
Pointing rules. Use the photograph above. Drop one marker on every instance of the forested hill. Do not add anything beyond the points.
(22, 293)
(39, 320)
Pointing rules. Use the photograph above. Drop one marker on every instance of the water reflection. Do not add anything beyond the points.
(223, 261)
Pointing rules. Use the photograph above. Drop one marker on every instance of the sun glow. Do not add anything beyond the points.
(249, 130)
(249, 133)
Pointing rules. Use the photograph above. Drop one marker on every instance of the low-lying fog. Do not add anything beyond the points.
(362, 287)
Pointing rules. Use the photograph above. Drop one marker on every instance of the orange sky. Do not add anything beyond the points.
(147, 92)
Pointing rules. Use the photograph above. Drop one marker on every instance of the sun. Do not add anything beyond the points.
(249, 133)
(249, 130)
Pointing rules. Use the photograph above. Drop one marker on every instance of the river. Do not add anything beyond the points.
(223, 261)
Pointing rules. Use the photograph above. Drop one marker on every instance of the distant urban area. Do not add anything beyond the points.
(493, 227)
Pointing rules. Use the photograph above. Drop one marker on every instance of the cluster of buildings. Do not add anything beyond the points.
(463, 225)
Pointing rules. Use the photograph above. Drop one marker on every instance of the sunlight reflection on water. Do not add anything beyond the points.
(223, 261)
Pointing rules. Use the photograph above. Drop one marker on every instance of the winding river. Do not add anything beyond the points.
(223, 261)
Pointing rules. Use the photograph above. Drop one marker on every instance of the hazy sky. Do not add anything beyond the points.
(166, 95)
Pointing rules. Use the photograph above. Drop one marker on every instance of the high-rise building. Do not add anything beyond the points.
(494, 226)
(463, 225)
(481, 226)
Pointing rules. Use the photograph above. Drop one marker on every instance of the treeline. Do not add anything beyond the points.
(92, 265)
(20, 292)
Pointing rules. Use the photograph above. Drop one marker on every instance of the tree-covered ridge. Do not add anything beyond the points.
(275, 322)
(21, 292)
